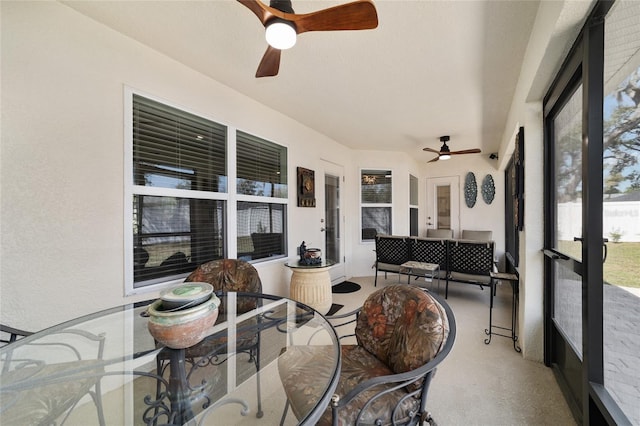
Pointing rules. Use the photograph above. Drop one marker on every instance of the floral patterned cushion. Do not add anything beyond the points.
(230, 275)
(45, 402)
(400, 328)
(403, 326)
(306, 370)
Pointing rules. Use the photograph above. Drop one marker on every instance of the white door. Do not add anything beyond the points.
(332, 222)
(443, 203)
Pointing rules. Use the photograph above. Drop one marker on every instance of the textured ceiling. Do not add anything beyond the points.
(430, 68)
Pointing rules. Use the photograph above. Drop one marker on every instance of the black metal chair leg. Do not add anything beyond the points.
(259, 413)
(489, 331)
(284, 413)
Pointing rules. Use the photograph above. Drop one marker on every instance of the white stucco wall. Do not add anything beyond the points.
(555, 30)
(63, 80)
(61, 176)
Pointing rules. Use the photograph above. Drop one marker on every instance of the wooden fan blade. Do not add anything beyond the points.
(270, 63)
(434, 160)
(466, 151)
(358, 15)
(261, 10)
(431, 150)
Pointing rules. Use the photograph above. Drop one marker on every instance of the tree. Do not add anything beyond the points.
(621, 143)
(622, 136)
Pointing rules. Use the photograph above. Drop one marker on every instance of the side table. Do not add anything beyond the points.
(311, 284)
(515, 287)
(421, 269)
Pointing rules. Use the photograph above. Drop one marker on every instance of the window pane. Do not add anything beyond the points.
(621, 207)
(568, 171)
(175, 149)
(376, 186)
(568, 306)
(333, 232)
(567, 144)
(262, 167)
(375, 220)
(413, 222)
(172, 236)
(261, 230)
(413, 190)
(444, 207)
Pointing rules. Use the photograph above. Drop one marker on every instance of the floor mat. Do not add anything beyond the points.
(345, 287)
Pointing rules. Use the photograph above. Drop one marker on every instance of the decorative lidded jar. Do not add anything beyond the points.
(184, 315)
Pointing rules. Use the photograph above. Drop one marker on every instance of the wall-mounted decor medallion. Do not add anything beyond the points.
(470, 190)
(488, 189)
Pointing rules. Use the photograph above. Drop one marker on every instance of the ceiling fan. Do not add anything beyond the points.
(445, 153)
(282, 25)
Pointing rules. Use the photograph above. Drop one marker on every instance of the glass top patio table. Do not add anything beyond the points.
(132, 379)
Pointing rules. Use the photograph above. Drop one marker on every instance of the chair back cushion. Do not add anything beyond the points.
(402, 326)
(468, 234)
(439, 233)
(229, 275)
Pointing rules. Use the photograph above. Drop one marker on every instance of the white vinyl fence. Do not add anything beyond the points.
(622, 217)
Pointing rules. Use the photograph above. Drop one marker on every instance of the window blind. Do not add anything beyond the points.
(176, 149)
(261, 166)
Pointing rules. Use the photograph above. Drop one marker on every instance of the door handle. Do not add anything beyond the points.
(322, 229)
(604, 244)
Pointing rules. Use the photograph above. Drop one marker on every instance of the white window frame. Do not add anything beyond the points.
(230, 197)
(377, 205)
(414, 206)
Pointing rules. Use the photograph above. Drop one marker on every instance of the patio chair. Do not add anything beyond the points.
(39, 391)
(403, 333)
(10, 334)
(227, 275)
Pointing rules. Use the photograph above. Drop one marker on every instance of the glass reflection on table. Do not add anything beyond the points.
(136, 381)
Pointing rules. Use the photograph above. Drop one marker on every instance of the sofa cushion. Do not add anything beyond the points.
(388, 267)
(468, 234)
(358, 365)
(470, 278)
(440, 233)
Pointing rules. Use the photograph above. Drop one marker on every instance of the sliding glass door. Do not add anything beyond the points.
(621, 207)
(592, 234)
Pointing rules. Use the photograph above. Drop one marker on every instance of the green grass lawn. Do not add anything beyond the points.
(623, 262)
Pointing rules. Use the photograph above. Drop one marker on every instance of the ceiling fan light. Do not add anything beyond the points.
(280, 34)
(445, 156)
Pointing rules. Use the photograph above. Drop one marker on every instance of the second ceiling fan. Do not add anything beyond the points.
(445, 153)
(282, 25)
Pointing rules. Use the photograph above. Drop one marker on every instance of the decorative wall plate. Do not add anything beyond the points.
(488, 189)
(470, 189)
